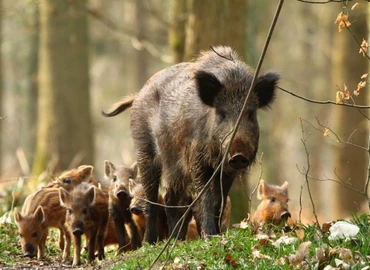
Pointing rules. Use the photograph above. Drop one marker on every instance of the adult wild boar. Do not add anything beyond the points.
(181, 122)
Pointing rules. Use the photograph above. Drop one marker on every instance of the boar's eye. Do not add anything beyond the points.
(34, 234)
(84, 211)
(221, 114)
(250, 114)
(272, 199)
(67, 181)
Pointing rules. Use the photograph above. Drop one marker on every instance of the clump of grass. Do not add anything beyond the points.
(236, 249)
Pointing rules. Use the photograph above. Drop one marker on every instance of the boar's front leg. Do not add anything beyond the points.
(177, 194)
(41, 246)
(135, 236)
(119, 223)
(67, 243)
(77, 250)
(100, 238)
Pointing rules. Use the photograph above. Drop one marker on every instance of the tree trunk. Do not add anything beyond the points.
(65, 127)
(215, 22)
(141, 56)
(176, 33)
(349, 163)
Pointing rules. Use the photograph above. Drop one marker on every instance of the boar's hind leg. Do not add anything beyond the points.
(150, 175)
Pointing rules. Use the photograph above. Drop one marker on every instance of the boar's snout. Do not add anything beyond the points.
(29, 251)
(238, 162)
(77, 232)
(137, 210)
(78, 228)
(122, 195)
(285, 215)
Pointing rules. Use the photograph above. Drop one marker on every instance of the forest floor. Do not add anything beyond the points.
(296, 247)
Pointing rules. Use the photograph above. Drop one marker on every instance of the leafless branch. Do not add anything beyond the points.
(300, 205)
(338, 139)
(326, 1)
(306, 173)
(324, 102)
(141, 44)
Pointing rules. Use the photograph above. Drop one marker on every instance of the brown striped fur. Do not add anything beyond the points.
(87, 213)
(42, 210)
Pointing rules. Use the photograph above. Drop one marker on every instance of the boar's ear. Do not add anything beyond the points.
(39, 214)
(265, 88)
(285, 187)
(133, 167)
(261, 190)
(64, 196)
(17, 215)
(109, 168)
(90, 195)
(86, 171)
(208, 86)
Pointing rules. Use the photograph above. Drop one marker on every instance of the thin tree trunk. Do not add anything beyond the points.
(176, 33)
(65, 127)
(349, 163)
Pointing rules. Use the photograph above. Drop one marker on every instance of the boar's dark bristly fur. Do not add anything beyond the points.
(181, 122)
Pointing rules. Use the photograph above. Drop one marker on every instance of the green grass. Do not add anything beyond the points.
(236, 249)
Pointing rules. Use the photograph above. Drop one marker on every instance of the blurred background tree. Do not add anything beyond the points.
(64, 134)
(63, 61)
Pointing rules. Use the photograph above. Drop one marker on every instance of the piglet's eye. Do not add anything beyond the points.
(67, 181)
(114, 178)
(20, 235)
(69, 211)
(34, 234)
(272, 199)
(84, 211)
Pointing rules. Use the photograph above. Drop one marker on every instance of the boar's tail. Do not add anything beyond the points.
(119, 107)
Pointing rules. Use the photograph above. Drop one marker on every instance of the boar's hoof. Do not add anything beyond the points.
(78, 232)
(238, 161)
(29, 254)
(285, 215)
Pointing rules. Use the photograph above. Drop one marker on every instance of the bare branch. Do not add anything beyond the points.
(132, 34)
(306, 173)
(324, 102)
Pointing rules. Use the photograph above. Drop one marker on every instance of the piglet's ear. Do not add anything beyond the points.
(17, 215)
(109, 168)
(90, 195)
(261, 190)
(265, 88)
(208, 86)
(64, 197)
(39, 214)
(85, 171)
